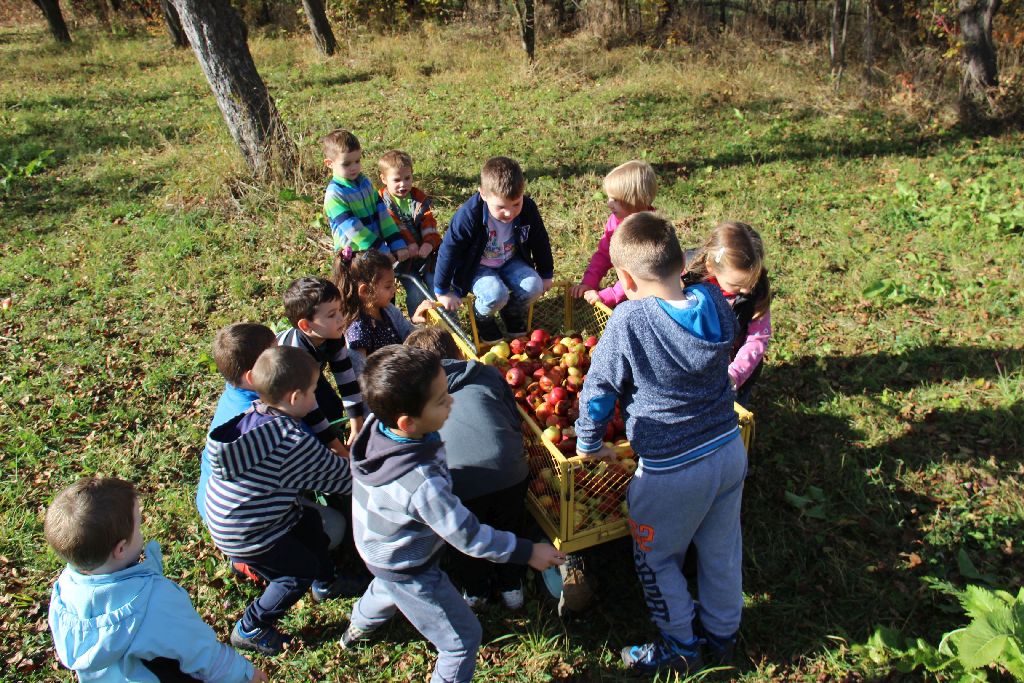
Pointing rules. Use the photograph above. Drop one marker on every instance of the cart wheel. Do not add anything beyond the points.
(569, 585)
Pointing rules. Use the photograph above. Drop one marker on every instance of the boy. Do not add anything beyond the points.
(261, 461)
(488, 475)
(664, 356)
(235, 350)
(113, 615)
(412, 212)
(404, 511)
(354, 211)
(496, 247)
(313, 307)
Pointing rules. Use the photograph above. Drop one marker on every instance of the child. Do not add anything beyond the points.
(404, 511)
(733, 258)
(663, 357)
(356, 214)
(630, 187)
(367, 285)
(314, 306)
(262, 460)
(113, 615)
(488, 475)
(235, 350)
(496, 247)
(412, 212)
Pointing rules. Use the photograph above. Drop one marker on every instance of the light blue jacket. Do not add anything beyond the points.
(105, 625)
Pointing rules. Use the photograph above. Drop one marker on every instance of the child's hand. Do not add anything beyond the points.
(606, 453)
(591, 297)
(356, 423)
(420, 314)
(450, 301)
(579, 290)
(338, 448)
(545, 555)
(259, 676)
(425, 249)
(548, 284)
(402, 255)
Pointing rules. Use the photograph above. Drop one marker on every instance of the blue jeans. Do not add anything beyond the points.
(512, 287)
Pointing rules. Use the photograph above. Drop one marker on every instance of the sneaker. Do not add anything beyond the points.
(514, 599)
(341, 587)
(354, 636)
(664, 653)
(515, 325)
(719, 651)
(487, 329)
(267, 640)
(475, 602)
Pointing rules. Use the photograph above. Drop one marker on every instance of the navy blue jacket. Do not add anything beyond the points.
(464, 242)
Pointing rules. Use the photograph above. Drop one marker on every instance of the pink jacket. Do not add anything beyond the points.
(759, 331)
(600, 264)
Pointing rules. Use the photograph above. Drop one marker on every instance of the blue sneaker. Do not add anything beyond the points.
(664, 653)
(267, 640)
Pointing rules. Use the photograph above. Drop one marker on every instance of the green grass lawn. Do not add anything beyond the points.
(890, 437)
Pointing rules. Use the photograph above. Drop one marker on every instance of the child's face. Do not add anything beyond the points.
(348, 165)
(619, 208)
(438, 406)
(384, 288)
(398, 181)
(732, 280)
(503, 208)
(327, 321)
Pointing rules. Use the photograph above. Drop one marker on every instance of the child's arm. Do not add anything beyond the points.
(346, 227)
(607, 378)
(540, 247)
(451, 255)
(427, 225)
(600, 262)
(348, 385)
(759, 332)
(312, 466)
(612, 296)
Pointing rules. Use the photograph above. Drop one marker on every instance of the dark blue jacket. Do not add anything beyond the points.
(464, 242)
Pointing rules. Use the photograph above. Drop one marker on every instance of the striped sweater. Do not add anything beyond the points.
(358, 218)
(404, 511)
(252, 496)
(333, 352)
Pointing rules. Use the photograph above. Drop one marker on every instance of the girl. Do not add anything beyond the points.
(367, 284)
(733, 258)
(630, 188)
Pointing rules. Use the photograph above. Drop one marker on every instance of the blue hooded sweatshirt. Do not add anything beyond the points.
(106, 625)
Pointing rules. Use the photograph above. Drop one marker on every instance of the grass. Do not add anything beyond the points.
(890, 418)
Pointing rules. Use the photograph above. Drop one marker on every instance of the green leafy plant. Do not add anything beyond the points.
(14, 169)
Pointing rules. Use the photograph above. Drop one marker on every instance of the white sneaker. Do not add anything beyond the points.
(475, 602)
(513, 599)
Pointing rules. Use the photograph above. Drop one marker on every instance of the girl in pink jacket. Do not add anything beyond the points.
(630, 188)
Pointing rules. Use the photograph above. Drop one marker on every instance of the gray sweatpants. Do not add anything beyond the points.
(699, 502)
(435, 607)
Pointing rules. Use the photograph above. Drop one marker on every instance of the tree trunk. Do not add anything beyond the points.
(55, 20)
(837, 38)
(316, 15)
(666, 13)
(980, 71)
(218, 38)
(527, 25)
(173, 23)
(869, 41)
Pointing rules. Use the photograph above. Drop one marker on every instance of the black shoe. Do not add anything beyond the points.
(515, 325)
(487, 329)
(340, 587)
(267, 640)
(719, 651)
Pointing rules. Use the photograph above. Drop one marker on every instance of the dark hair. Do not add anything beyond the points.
(338, 142)
(305, 294)
(283, 369)
(502, 177)
(362, 269)
(436, 339)
(88, 519)
(646, 245)
(396, 381)
(738, 246)
(236, 348)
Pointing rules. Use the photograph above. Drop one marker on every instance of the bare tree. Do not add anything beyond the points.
(526, 12)
(837, 38)
(218, 38)
(54, 19)
(316, 15)
(980, 70)
(173, 23)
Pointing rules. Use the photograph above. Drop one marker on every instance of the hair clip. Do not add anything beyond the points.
(719, 254)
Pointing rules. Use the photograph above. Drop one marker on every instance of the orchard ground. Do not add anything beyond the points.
(890, 426)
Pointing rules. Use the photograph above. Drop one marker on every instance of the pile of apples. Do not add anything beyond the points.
(546, 374)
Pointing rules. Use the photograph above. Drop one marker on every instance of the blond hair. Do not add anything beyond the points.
(503, 178)
(646, 245)
(633, 183)
(393, 160)
(737, 246)
(338, 142)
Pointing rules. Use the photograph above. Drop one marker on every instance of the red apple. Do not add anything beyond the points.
(538, 487)
(540, 336)
(562, 407)
(552, 421)
(543, 410)
(534, 349)
(515, 377)
(590, 342)
(559, 349)
(518, 345)
(547, 382)
(559, 394)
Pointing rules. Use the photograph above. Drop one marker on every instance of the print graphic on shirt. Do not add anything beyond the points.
(500, 244)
